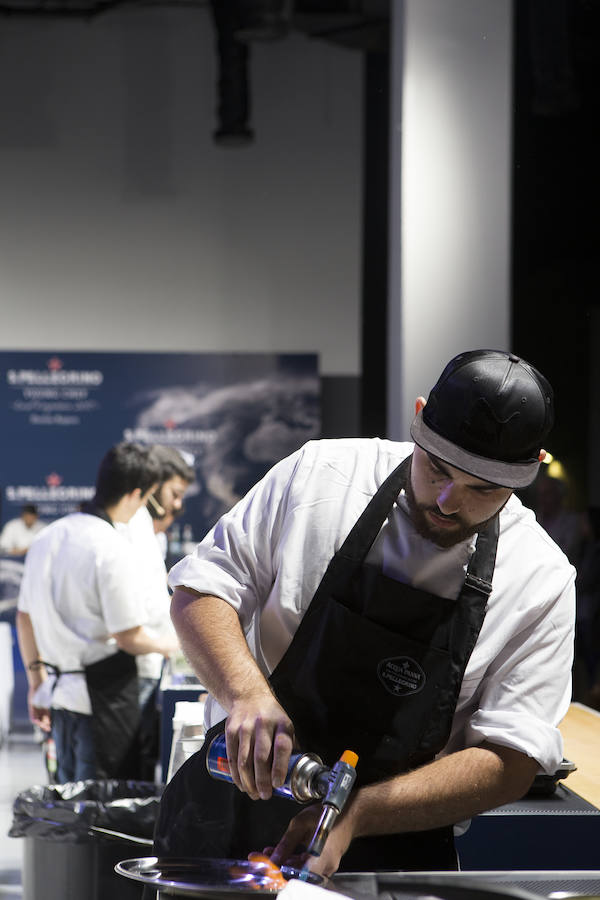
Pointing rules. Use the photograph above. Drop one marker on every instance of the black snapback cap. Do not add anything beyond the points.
(488, 414)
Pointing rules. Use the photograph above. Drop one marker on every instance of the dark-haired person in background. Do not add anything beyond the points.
(80, 624)
(405, 605)
(174, 477)
(165, 504)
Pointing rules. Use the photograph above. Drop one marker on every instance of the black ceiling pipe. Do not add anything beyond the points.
(262, 20)
(233, 94)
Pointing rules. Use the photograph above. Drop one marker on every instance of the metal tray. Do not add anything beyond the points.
(225, 879)
(208, 878)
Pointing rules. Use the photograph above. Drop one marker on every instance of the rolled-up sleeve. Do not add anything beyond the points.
(526, 689)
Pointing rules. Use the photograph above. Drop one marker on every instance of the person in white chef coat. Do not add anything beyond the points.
(17, 535)
(175, 477)
(404, 604)
(81, 623)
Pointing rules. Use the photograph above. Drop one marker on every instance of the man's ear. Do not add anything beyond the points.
(542, 455)
(419, 404)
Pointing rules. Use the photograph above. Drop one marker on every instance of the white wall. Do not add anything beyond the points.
(123, 227)
(450, 200)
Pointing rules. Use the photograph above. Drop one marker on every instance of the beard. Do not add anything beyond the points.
(441, 537)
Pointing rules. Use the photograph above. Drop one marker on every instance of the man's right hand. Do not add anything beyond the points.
(258, 732)
(260, 740)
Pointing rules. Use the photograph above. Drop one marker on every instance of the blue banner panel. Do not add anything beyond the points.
(235, 414)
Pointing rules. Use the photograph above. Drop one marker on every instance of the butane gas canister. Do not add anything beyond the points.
(307, 778)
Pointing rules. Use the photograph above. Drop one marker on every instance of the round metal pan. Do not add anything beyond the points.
(226, 879)
(209, 878)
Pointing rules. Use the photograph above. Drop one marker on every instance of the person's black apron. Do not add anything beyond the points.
(113, 689)
(112, 685)
(376, 667)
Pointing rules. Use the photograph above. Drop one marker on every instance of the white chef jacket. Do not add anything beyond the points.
(152, 587)
(79, 586)
(267, 555)
(16, 535)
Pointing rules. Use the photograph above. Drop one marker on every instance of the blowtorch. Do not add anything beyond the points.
(341, 779)
(307, 779)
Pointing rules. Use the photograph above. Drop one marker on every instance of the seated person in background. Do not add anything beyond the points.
(17, 534)
(80, 624)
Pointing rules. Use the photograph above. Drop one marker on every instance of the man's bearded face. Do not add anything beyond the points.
(447, 505)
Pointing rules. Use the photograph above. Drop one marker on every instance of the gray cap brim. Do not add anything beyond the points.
(511, 475)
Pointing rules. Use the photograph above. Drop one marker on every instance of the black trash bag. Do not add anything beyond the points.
(71, 812)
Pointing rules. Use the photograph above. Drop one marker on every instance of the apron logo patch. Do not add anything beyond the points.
(401, 676)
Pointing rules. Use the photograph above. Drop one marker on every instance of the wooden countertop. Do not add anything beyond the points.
(580, 729)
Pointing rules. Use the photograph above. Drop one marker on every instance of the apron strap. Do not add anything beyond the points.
(348, 559)
(480, 570)
(53, 669)
(366, 528)
(92, 509)
(471, 605)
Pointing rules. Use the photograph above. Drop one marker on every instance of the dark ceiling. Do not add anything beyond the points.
(353, 23)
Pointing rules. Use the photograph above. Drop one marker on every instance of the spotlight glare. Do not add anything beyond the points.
(557, 470)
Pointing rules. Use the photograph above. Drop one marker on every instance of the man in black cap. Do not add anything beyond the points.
(402, 603)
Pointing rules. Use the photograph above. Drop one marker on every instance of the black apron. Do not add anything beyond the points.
(376, 667)
(113, 688)
(112, 684)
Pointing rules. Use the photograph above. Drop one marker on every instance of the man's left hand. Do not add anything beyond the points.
(292, 848)
(38, 715)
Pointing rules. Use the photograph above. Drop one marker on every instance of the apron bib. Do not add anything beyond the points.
(375, 667)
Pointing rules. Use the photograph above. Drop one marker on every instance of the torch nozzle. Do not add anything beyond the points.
(340, 782)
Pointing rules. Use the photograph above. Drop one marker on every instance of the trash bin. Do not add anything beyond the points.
(75, 833)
